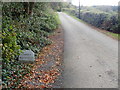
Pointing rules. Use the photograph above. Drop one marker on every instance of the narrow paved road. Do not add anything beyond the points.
(90, 57)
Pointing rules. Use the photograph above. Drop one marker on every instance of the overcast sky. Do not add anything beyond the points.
(95, 2)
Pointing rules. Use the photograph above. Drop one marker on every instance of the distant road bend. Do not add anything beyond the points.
(90, 57)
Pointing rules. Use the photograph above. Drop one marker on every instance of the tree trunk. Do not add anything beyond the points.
(31, 4)
(26, 7)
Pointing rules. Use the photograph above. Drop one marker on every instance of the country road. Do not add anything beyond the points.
(90, 57)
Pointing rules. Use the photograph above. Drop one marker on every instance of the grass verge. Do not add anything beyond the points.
(57, 18)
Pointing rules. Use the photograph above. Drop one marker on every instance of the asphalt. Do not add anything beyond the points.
(90, 57)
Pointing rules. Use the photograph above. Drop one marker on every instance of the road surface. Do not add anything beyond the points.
(90, 57)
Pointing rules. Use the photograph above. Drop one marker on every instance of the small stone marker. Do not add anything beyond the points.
(27, 55)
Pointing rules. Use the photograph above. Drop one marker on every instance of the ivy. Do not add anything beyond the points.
(21, 32)
(10, 48)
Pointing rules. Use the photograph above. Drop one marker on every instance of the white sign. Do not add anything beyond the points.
(27, 55)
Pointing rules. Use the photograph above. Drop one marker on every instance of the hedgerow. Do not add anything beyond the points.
(96, 16)
(22, 31)
(101, 20)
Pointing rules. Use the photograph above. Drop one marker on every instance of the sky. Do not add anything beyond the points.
(95, 2)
